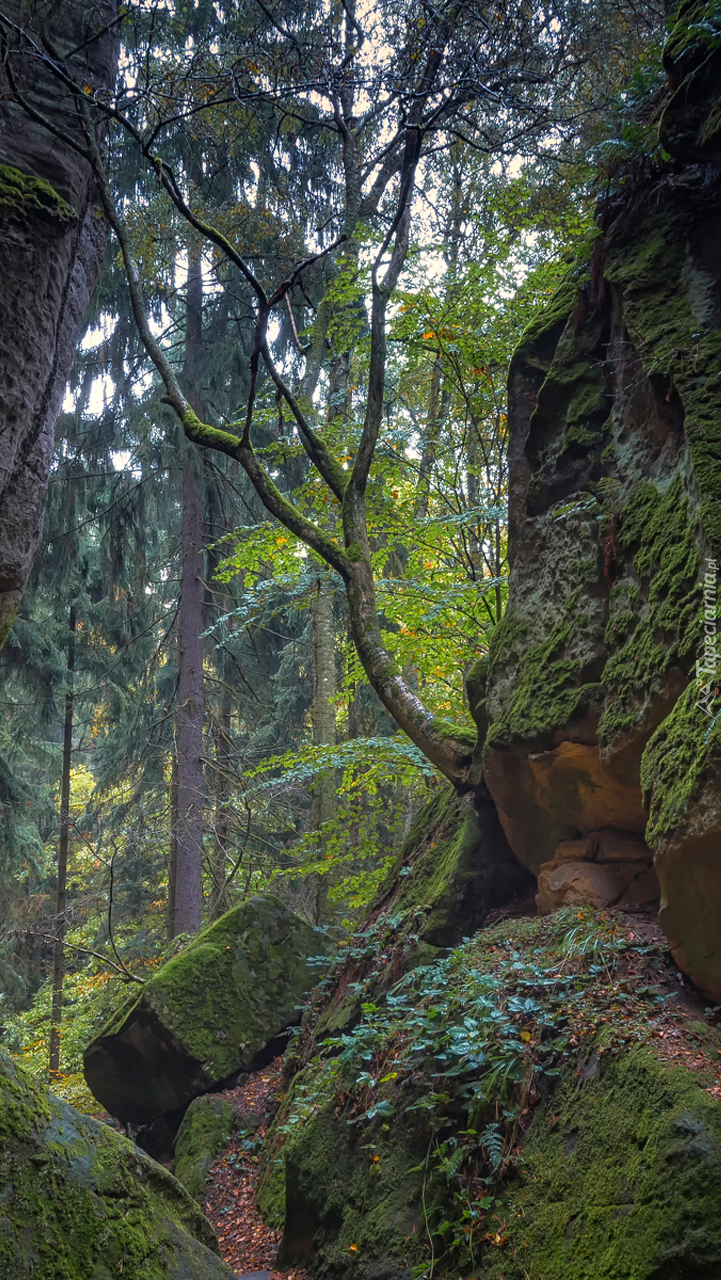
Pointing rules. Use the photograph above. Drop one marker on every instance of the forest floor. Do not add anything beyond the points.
(686, 1031)
(246, 1243)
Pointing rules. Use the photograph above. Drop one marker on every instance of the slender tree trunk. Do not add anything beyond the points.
(475, 552)
(323, 716)
(189, 715)
(438, 401)
(173, 850)
(221, 836)
(62, 865)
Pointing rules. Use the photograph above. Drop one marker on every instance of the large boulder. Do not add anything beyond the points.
(602, 695)
(79, 1202)
(217, 1008)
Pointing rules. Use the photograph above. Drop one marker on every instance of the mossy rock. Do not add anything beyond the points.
(602, 689)
(615, 1156)
(204, 1132)
(22, 195)
(690, 127)
(79, 1202)
(220, 1006)
(621, 1180)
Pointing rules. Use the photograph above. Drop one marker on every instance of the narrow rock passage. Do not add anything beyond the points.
(246, 1243)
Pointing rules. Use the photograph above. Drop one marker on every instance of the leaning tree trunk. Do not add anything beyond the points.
(52, 241)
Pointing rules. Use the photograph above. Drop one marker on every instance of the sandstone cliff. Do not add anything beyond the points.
(604, 736)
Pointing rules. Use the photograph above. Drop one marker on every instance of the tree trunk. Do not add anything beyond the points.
(438, 402)
(52, 242)
(323, 716)
(221, 835)
(189, 715)
(62, 866)
(173, 850)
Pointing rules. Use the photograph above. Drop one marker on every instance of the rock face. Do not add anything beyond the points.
(80, 1201)
(603, 870)
(204, 1132)
(601, 694)
(212, 1010)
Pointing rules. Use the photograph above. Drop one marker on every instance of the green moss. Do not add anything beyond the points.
(371, 1191)
(440, 857)
(78, 1200)
(213, 996)
(621, 1180)
(652, 630)
(212, 437)
(664, 313)
(546, 692)
(545, 328)
(356, 553)
(450, 731)
(581, 437)
(204, 1132)
(22, 194)
(681, 751)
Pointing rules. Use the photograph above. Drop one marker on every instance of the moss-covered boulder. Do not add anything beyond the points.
(218, 1007)
(621, 1176)
(603, 675)
(79, 1202)
(508, 1114)
(205, 1132)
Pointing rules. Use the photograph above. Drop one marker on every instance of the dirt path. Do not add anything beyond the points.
(246, 1243)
